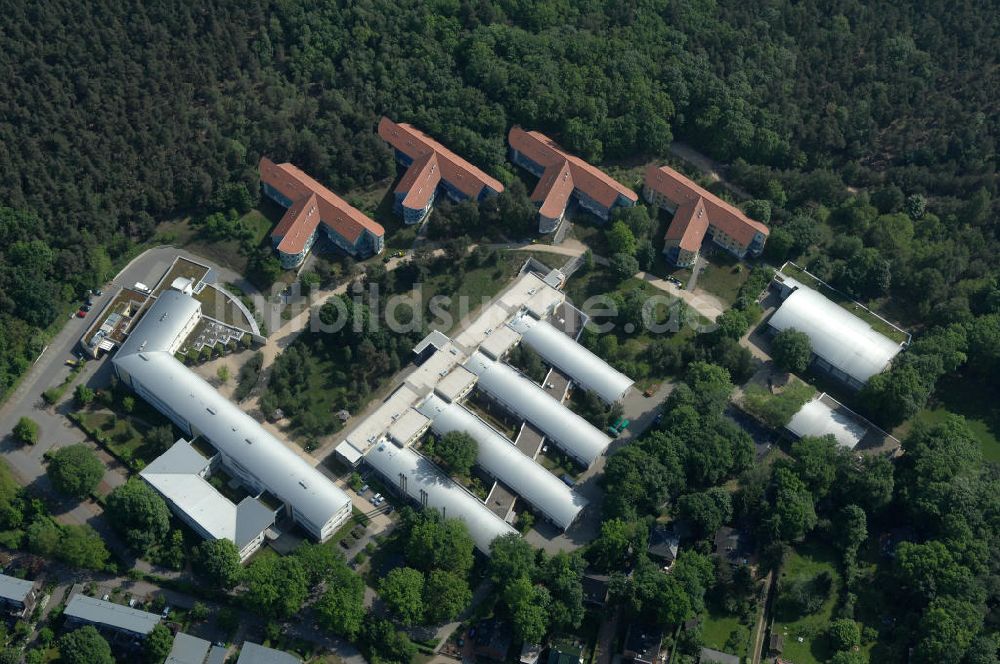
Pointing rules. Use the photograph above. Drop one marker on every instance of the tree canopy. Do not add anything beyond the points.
(75, 470)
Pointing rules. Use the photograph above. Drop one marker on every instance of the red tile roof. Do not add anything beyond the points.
(684, 193)
(334, 211)
(297, 225)
(564, 172)
(689, 225)
(434, 162)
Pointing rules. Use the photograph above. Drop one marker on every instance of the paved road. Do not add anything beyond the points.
(56, 430)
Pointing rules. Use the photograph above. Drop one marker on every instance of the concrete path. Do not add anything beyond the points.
(700, 300)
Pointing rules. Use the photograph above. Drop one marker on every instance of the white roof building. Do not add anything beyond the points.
(179, 476)
(824, 415)
(846, 346)
(425, 483)
(570, 432)
(146, 363)
(586, 369)
(501, 459)
(252, 653)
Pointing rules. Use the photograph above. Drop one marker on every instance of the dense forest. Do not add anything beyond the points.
(117, 115)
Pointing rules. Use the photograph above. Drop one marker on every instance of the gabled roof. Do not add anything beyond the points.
(689, 225)
(333, 210)
(117, 616)
(682, 192)
(252, 653)
(420, 181)
(15, 589)
(564, 172)
(424, 150)
(297, 225)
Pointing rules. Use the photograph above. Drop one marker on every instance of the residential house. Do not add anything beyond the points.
(492, 640)
(697, 213)
(431, 168)
(642, 643)
(564, 177)
(110, 618)
(595, 589)
(710, 656)
(565, 651)
(663, 545)
(189, 649)
(733, 545)
(311, 207)
(18, 596)
(252, 653)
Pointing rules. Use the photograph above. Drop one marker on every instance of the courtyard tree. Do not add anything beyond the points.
(276, 587)
(84, 646)
(402, 591)
(511, 557)
(446, 594)
(791, 350)
(341, 607)
(139, 513)
(620, 238)
(75, 470)
(158, 644)
(457, 449)
(623, 266)
(26, 431)
(218, 563)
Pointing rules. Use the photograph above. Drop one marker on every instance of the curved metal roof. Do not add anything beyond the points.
(500, 458)
(573, 434)
(429, 487)
(234, 433)
(839, 337)
(586, 369)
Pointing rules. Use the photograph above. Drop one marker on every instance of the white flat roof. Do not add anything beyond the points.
(457, 383)
(528, 291)
(408, 426)
(426, 484)
(370, 430)
(15, 589)
(423, 379)
(500, 340)
(585, 368)
(499, 457)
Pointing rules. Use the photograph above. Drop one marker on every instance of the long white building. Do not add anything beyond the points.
(422, 481)
(146, 363)
(571, 433)
(844, 345)
(586, 369)
(502, 460)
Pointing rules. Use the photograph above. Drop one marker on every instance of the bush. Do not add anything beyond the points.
(75, 470)
(799, 597)
(26, 431)
(844, 634)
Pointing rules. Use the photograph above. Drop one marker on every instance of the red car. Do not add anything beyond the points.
(81, 314)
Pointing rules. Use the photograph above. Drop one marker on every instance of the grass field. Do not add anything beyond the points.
(723, 276)
(970, 398)
(718, 628)
(806, 561)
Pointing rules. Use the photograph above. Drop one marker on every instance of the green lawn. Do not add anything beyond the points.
(971, 398)
(723, 276)
(717, 627)
(806, 561)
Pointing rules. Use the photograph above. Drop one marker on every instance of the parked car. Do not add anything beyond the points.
(87, 307)
(567, 480)
(81, 314)
(98, 292)
(363, 490)
(166, 611)
(650, 391)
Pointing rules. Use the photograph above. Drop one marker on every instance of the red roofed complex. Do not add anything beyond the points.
(697, 212)
(311, 206)
(562, 176)
(431, 166)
